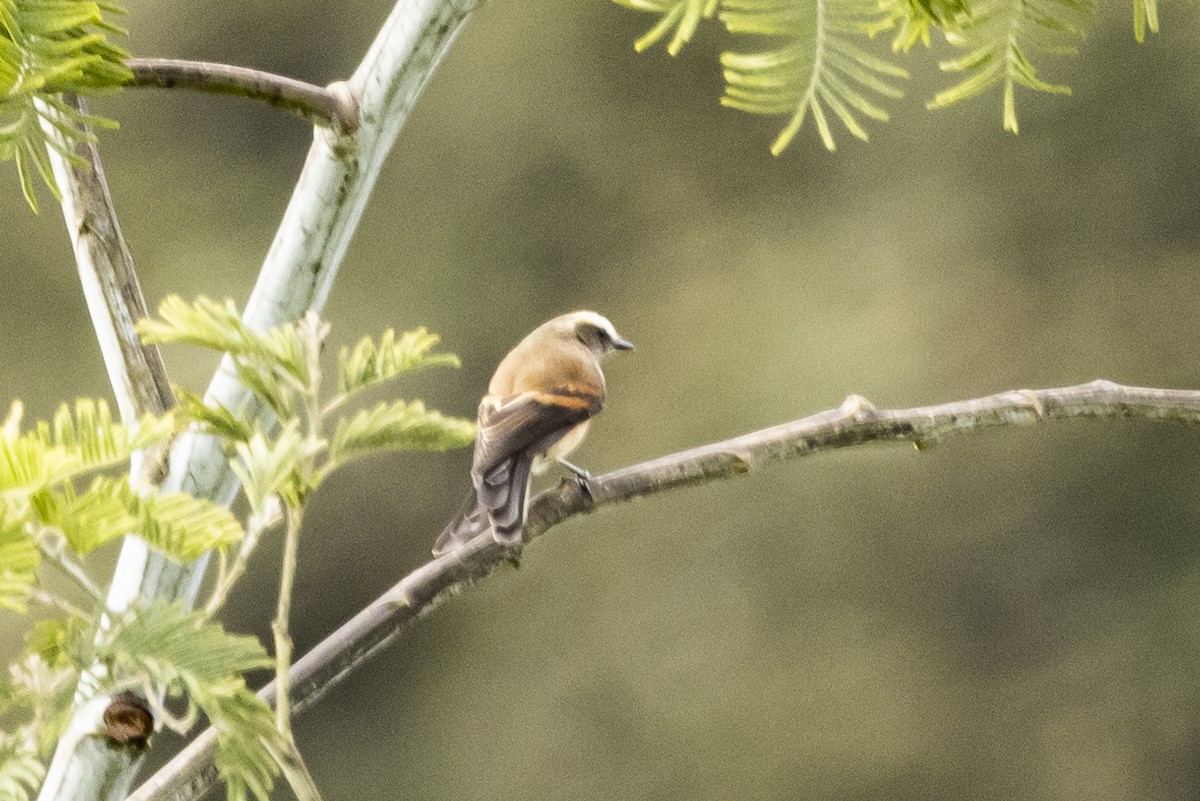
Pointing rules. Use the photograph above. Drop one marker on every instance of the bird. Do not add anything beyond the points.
(538, 406)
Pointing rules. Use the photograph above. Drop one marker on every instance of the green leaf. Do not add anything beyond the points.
(181, 526)
(681, 16)
(19, 559)
(61, 642)
(268, 468)
(77, 440)
(398, 426)
(249, 746)
(48, 47)
(218, 420)
(369, 363)
(21, 772)
(219, 327)
(173, 646)
(186, 657)
(264, 361)
(818, 69)
(89, 520)
(997, 36)
(914, 20)
(1145, 15)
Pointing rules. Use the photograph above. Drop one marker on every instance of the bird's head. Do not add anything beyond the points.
(593, 330)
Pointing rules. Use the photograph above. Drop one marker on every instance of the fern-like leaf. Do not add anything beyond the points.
(219, 327)
(220, 421)
(1145, 15)
(915, 20)
(819, 69)
(268, 468)
(48, 47)
(998, 35)
(88, 520)
(187, 657)
(398, 426)
(77, 440)
(19, 560)
(21, 772)
(680, 18)
(370, 362)
(181, 526)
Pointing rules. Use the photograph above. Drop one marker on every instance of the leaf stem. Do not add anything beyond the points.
(52, 544)
(55, 602)
(226, 578)
(283, 640)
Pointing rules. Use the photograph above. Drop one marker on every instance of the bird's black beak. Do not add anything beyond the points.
(621, 344)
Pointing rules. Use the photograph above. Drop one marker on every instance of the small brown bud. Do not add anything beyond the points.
(127, 721)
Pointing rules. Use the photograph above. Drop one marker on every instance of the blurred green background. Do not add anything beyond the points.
(1005, 616)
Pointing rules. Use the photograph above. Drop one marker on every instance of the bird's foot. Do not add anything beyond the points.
(576, 469)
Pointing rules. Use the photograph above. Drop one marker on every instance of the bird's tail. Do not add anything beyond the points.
(469, 521)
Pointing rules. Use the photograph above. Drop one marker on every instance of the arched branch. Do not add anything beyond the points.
(334, 105)
(855, 422)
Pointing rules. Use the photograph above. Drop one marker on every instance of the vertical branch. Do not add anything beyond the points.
(83, 766)
(110, 284)
(297, 274)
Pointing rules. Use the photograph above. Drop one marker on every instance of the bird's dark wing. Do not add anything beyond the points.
(469, 521)
(511, 434)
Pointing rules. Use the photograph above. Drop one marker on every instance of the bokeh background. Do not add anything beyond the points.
(1011, 615)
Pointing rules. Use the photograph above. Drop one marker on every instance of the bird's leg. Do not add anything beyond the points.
(576, 469)
(582, 477)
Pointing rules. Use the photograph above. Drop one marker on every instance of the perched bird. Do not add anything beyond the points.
(537, 410)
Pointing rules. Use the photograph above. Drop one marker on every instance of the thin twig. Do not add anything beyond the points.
(190, 774)
(53, 546)
(53, 601)
(333, 105)
(279, 628)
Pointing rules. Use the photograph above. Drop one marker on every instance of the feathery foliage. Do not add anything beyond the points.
(21, 772)
(820, 64)
(819, 68)
(370, 362)
(55, 510)
(680, 18)
(184, 656)
(19, 560)
(77, 440)
(397, 426)
(998, 35)
(1145, 15)
(271, 466)
(48, 47)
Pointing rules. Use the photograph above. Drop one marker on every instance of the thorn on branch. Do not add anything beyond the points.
(1035, 402)
(856, 407)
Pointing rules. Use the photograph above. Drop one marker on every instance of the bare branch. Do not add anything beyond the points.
(856, 422)
(110, 284)
(325, 105)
